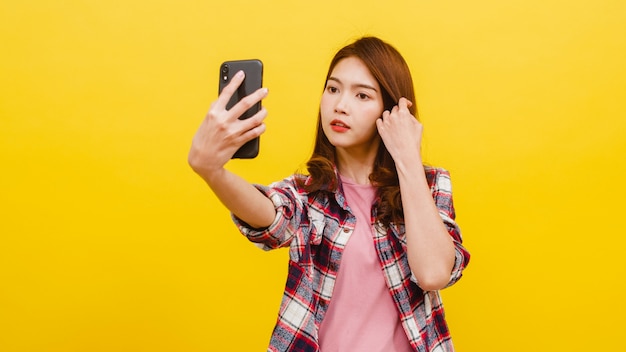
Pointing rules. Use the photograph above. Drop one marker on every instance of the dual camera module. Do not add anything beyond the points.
(225, 70)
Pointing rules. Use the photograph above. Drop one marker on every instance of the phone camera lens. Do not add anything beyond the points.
(225, 72)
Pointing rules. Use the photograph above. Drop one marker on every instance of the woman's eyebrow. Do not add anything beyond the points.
(358, 85)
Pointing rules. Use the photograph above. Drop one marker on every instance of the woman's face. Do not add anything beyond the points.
(351, 104)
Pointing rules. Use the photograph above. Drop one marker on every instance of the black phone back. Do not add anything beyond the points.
(253, 81)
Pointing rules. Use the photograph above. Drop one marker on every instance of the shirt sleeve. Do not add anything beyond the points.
(441, 188)
(289, 209)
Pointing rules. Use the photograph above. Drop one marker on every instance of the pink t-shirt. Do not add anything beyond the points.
(361, 315)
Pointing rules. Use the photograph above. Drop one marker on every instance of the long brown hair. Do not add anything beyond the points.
(392, 73)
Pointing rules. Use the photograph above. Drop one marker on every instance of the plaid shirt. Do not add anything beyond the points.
(316, 227)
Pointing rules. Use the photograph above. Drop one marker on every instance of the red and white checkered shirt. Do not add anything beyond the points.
(316, 227)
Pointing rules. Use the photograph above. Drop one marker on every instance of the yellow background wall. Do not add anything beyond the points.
(109, 242)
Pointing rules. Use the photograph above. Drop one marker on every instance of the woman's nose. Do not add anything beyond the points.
(342, 105)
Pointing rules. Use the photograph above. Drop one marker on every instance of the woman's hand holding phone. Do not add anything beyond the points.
(222, 133)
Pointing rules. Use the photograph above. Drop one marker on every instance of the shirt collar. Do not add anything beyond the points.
(336, 188)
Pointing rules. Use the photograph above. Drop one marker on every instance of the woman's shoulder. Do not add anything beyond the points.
(295, 183)
(438, 178)
(435, 170)
(293, 190)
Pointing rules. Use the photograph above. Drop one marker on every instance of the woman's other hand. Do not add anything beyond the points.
(401, 132)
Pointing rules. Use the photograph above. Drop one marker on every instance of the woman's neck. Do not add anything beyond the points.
(356, 167)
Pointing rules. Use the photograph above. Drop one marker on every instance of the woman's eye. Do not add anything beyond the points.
(362, 96)
(332, 89)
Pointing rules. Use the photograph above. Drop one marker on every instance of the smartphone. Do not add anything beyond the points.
(253, 81)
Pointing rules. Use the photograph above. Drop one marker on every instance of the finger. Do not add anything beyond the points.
(380, 125)
(254, 121)
(230, 89)
(404, 104)
(249, 101)
(252, 133)
(394, 110)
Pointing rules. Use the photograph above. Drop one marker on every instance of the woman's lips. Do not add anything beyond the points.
(339, 126)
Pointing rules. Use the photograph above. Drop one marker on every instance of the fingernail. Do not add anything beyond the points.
(240, 74)
(265, 91)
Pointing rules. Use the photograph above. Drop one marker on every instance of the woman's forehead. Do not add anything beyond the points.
(353, 71)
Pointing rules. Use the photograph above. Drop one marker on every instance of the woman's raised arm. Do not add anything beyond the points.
(217, 139)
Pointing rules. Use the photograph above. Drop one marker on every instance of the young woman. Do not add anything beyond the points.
(370, 229)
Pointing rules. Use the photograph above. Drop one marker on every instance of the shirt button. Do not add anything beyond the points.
(346, 230)
(333, 266)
